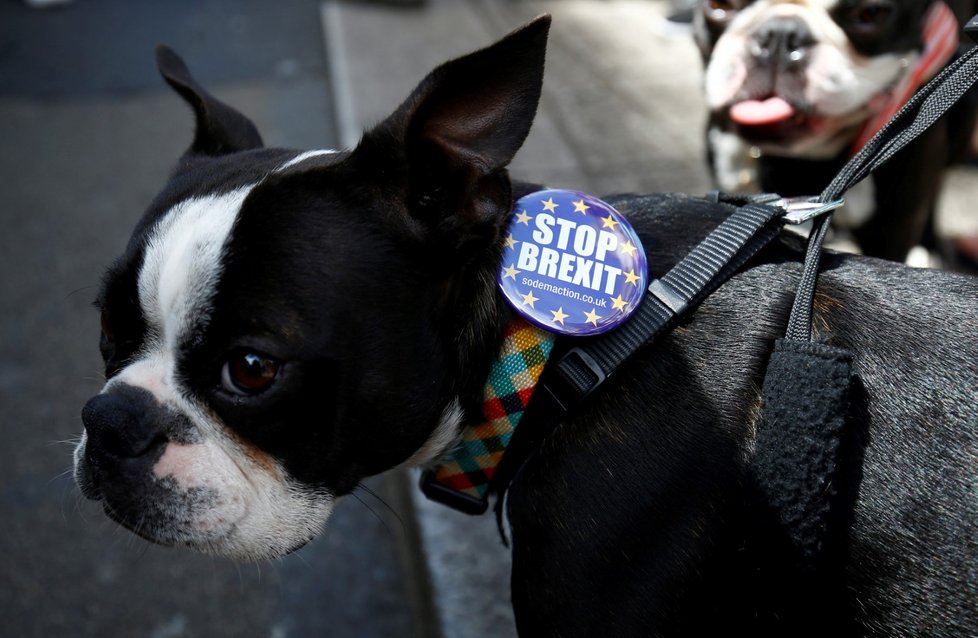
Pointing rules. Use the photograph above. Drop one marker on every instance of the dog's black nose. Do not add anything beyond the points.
(123, 422)
(783, 40)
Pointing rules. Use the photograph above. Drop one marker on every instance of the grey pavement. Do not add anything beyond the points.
(87, 134)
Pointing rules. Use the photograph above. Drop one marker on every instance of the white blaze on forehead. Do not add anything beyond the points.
(301, 157)
(182, 262)
(150, 372)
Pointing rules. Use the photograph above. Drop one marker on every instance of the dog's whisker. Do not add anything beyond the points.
(237, 570)
(73, 441)
(78, 290)
(387, 505)
(375, 514)
(68, 492)
(299, 557)
(60, 475)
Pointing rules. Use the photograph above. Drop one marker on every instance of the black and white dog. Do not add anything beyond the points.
(284, 324)
(795, 88)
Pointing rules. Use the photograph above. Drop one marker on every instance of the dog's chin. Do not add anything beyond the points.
(803, 135)
(138, 527)
(226, 543)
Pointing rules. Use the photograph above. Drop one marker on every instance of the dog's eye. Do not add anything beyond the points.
(247, 372)
(869, 15)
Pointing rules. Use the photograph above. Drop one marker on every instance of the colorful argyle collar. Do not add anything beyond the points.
(464, 477)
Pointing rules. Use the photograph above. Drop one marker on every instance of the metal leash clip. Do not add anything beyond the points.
(799, 210)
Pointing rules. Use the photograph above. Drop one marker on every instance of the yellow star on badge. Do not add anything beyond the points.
(529, 299)
(523, 218)
(559, 315)
(592, 317)
(617, 303)
(510, 242)
(609, 222)
(550, 205)
(511, 272)
(631, 278)
(628, 248)
(581, 207)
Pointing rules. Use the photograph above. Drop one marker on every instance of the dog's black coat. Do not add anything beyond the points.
(638, 516)
(600, 545)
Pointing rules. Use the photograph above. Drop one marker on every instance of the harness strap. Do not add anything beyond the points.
(712, 262)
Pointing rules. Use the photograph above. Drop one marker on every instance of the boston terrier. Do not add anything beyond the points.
(283, 324)
(795, 88)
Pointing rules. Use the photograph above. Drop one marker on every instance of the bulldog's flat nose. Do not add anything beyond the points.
(122, 422)
(782, 40)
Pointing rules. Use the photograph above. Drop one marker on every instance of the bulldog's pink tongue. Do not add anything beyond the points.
(759, 113)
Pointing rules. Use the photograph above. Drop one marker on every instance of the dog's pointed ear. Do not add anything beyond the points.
(220, 128)
(461, 127)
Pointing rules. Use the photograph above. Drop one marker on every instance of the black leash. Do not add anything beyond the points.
(920, 112)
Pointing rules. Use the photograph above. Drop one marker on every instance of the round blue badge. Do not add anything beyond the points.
(571, 264)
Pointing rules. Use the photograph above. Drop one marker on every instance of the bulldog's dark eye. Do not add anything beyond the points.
(247, 372)
(869, 15)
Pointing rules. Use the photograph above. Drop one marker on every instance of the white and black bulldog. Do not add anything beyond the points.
(285, 323)
(794, 88)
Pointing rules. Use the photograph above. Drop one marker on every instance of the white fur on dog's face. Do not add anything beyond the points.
(253, 509)
(839, 83)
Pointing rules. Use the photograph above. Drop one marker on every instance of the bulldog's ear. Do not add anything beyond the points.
(220, 128)
(462, 125)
